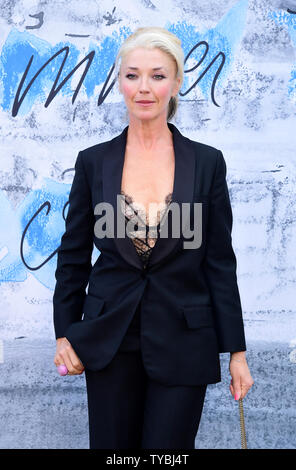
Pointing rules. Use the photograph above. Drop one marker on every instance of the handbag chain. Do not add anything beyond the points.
(242, 424)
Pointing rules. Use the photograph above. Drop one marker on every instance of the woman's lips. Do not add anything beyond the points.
(142, 103)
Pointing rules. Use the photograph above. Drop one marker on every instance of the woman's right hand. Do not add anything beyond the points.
(65, 354)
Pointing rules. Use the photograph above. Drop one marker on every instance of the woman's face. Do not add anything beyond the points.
(148, 75)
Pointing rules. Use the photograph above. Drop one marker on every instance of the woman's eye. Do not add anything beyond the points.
(133, 75)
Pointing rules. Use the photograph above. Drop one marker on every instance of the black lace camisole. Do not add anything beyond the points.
(144, 240)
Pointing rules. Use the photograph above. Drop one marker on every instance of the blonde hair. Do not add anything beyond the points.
(152, 37)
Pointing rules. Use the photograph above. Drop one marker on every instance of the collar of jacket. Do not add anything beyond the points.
(183, 191)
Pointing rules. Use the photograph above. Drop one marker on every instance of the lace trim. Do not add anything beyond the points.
(145, 236)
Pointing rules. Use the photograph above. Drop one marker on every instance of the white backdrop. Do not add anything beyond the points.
(56, 98)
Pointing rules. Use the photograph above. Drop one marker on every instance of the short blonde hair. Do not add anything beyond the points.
(152, 37)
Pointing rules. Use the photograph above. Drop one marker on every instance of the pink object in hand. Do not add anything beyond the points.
(62, 369)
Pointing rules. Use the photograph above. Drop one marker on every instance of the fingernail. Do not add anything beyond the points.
(236, 396)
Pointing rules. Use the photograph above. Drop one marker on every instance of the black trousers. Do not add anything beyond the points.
(128, 410)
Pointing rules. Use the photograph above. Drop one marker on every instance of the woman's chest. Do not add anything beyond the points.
(148, 181)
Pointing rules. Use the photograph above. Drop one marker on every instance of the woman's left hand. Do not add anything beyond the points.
(241, 378)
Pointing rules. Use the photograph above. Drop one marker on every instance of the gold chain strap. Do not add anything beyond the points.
(242, 424)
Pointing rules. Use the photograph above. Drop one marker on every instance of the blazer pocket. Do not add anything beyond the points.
(198, 316)
(92, 306)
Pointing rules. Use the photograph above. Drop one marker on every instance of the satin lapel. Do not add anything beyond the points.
(183, 191)
(112, 176)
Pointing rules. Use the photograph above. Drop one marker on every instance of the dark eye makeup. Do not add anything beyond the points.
(133, 75)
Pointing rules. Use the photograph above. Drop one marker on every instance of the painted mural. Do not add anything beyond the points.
(58, 96)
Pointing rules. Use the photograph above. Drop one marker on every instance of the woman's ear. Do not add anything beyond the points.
(177, 86)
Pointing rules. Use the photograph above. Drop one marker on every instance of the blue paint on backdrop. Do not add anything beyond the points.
(42, 237)
(44, 234)
(20, 46)
(225, 37)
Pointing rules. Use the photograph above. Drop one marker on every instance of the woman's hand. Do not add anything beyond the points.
(241, 378)
(65, 354)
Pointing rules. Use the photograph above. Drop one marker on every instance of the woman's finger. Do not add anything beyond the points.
(244, 392)
(245, 389)
(64, 358)
(68, 363)
(240, 385)
(236, 384)
(67, 356)
(231, 388)
(76, 363)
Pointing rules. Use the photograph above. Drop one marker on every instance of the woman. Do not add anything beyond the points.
(156, 315)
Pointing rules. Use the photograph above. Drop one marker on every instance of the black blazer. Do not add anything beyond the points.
(190, 302)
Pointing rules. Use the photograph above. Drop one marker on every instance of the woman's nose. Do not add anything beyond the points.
(144, 85)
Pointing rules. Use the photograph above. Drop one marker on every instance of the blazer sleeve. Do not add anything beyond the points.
(220, 266)
(74, 254)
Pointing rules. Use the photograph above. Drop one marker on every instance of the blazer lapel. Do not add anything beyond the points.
(183, 191)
